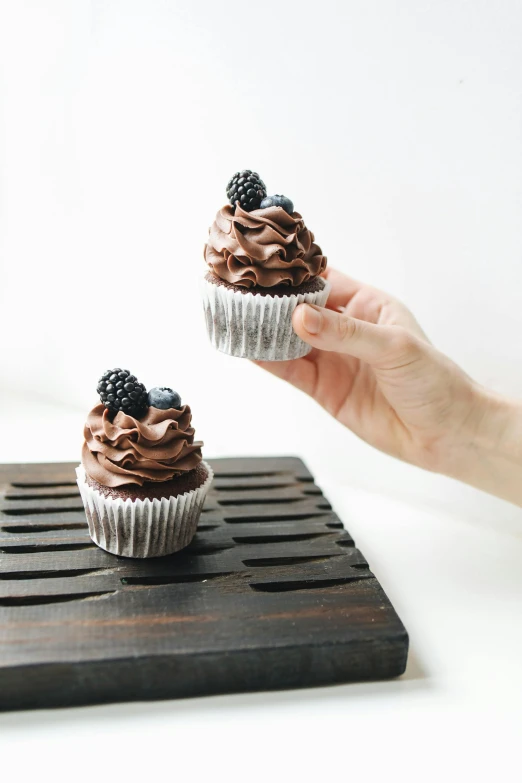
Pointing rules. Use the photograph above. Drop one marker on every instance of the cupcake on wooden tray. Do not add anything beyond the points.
(262, 262)
(142, 477)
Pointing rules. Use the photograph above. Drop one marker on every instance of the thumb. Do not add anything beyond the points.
(332, 331)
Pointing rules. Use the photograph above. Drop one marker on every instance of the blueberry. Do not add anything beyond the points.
(164, 398)
(278, 201)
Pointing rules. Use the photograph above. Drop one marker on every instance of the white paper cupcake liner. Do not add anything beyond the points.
(252, 326)
(143, 528)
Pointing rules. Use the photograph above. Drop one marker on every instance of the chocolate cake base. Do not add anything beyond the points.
(258, 327)
(154, 489)
(310, 287)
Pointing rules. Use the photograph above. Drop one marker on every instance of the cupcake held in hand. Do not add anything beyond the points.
(142, 478)
(262, 262)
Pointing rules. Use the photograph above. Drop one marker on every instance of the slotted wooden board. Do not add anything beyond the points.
(272, 593)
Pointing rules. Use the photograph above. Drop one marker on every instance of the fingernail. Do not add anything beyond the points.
(312, 319)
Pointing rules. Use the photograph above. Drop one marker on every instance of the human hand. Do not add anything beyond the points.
(373, 368)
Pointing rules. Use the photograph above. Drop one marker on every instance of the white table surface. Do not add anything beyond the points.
(455, 715)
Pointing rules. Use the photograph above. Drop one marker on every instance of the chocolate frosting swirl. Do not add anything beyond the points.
(265, 247)
(126, 450)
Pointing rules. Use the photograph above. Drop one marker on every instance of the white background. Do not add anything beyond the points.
(396, 129)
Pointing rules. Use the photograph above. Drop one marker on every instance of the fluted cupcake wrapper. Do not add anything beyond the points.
(142, 528)
(252, 326)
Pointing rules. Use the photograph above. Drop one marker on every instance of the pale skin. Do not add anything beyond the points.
(373, 368)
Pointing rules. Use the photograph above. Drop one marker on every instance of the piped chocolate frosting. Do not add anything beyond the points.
(265, 247)
(125, 450)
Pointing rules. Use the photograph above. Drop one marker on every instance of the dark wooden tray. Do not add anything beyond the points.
(272, 593)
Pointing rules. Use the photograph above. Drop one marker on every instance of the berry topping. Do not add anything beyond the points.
(121, 391)
(278, 201)
(248, 188)
(164, 398)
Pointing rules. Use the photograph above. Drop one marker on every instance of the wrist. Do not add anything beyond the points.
(491, 453)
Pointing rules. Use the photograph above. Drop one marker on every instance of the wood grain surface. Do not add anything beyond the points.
(272, 593)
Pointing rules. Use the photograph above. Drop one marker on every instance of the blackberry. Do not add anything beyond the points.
(248, 188)
(121, 391)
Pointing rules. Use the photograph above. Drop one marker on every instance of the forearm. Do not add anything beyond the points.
(492, 456)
